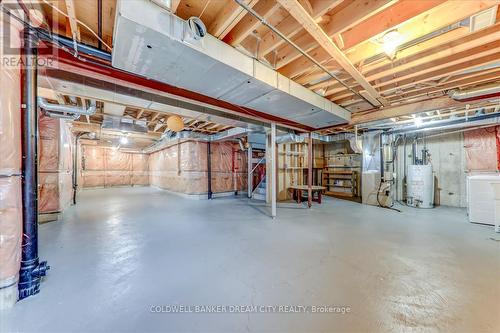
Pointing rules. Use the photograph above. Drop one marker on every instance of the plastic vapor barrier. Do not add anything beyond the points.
(106, 167)
(55, 164)
(182, 167)
(10, 170)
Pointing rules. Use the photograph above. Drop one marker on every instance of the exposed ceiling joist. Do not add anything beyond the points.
(70, 8)
(290, 27)
(301, 15)
(249, 23)
(228, 17)
(174, 5)
(402, 110)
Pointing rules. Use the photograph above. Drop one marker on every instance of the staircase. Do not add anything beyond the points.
(260, 191)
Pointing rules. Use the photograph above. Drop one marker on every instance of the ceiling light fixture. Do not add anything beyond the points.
(390, 42)
(123, 140)
(418, 121)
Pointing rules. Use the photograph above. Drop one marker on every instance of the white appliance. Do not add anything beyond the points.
(420, 186)
(481, 198)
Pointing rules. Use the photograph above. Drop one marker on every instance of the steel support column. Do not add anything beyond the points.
(250, 173)
(273, 170)
(309, 169)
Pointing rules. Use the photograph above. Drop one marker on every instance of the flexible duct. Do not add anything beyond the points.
(64, 111)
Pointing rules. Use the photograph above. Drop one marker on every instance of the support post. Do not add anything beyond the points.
(209, 170)
(309, 169)
(250, 173)
(273, 170)
(31, 270)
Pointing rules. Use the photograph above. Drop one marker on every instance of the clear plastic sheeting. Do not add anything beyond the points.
(10, 229)
(10, 166)
(481, 149)
(55, 155)
(106, 167)
(10, 115)
(183, 168)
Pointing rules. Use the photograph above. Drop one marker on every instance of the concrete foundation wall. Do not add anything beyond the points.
(447, 156)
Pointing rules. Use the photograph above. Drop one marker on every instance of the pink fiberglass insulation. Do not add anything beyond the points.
(481, 149)
(106, 167)
(10, 227)
(55, 149)
(10, 168)
(183, 167)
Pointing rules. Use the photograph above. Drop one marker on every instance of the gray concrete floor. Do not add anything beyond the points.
(121, 251)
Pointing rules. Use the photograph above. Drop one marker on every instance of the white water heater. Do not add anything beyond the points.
(420, 186)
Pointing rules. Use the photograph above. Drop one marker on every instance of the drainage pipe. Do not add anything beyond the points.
(31, 270)
(304, 53)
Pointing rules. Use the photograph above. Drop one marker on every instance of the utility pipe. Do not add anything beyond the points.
(31, 270)
(477, 93)
(65, 109)
(304, 53)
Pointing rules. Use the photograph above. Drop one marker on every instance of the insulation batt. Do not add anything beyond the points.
(55, 164)
(481, 149)
(183, 167)
(105, 167)
(10, 169)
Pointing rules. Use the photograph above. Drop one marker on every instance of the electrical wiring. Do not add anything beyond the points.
(79, 22)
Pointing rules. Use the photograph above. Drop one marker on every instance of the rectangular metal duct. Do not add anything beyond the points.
(153, 43)
(124, 124)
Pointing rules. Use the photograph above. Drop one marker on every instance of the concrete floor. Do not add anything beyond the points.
(121, 251)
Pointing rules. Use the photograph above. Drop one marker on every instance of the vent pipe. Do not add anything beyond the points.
(64, 111)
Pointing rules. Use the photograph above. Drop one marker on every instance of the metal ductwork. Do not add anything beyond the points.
(170, 50)
(64, 111)
(477, 93)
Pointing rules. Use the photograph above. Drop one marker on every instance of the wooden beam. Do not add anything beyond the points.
(249, 23)
(70, 8)
(402, 110)
(355, 13)
(448, 13)
(301, 15)
(455, 51)
(139, 114)
(228, 17)
(290, 27)
(174, 5)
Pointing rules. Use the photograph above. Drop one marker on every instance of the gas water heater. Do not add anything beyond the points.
(420, 186)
